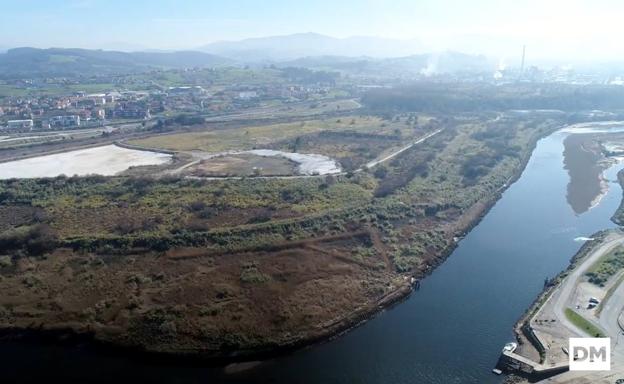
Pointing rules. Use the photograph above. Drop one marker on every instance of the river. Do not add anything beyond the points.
(450, 331)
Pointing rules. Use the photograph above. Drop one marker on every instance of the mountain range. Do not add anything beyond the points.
(370, 56)
(290, 47)
(426, 64)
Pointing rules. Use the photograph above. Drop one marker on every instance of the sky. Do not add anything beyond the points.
(565, 29)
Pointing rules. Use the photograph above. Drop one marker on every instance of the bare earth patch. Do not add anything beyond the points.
(244, 165)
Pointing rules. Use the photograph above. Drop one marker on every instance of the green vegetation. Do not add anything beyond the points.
(412, 200)
(608, 295)
(232, 264)
(34, 240)
(187, 264)
(250, 274)
(33, 62)
(284, 135)
(352, 140)
(468, 98)
(583, 324)
(56, 89)
(408, 200)
(8, 90)
(606, 267)
(96, 205)
(618, 216)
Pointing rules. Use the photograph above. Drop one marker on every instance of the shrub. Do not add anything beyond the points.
(380, 172)
(36, 240)
(41, 239)
(197, 206)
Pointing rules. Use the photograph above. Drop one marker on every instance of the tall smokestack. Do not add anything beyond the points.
(523, 55)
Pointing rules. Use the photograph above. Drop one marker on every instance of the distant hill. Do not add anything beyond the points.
(356, 55)
(289, 47)
(423, 64)
(34, 62)
(27, 62)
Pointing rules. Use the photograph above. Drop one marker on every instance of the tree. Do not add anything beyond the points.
(380, 172)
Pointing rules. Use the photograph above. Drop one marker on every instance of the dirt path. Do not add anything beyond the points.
(199, 156)
(396, 153)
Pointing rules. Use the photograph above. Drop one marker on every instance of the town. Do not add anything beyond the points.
(40, 104)
(35, 112)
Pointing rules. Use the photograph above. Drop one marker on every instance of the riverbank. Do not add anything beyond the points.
(530, 345)
(618, 216)
(563, 313)
(72, 335)
(272, 293)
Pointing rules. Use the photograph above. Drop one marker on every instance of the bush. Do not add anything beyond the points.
(197, 206)
(261, 218)
(41, 240)
(251, 275)
(125, 226)
(36, 240)
(380, 172)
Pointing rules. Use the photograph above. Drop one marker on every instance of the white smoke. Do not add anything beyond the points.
(432, 66)
(502, 65)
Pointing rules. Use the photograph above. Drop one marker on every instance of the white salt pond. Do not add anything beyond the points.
(594, 127)
(308, 164)
(106, 160)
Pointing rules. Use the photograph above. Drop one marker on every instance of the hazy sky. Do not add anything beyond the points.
(565, 29)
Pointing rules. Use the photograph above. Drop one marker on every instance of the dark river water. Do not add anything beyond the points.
(450, 331)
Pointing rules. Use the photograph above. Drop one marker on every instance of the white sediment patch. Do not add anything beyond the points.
(613, 147)
(583, 239)
(308, 164)
(16, 138)
(595, 127)
(608, 162)
(106, 160)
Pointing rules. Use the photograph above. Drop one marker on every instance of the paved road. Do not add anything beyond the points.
(607, 321)
(611, 311)
(571, 282)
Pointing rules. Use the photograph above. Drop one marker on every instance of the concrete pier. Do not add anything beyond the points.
(515, 362)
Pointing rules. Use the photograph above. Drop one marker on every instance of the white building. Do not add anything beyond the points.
(65, 121)
(246, 95)
(187, 90)
(20, 124)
